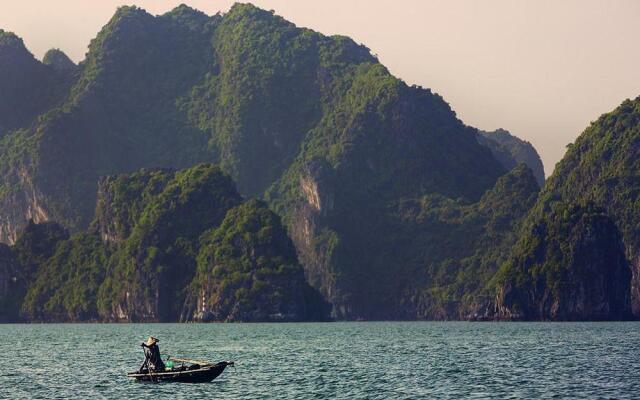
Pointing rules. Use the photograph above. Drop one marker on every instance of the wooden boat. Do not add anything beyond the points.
(189, 372)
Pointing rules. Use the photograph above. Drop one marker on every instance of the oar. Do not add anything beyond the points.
(146, 362)
(190, 361)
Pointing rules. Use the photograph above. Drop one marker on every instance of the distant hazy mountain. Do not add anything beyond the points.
(59, 61)
(27, 86)
(511, 151)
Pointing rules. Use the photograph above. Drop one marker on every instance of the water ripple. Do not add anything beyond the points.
(376, 360)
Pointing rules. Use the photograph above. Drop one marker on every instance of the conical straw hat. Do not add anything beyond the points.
(151, 341)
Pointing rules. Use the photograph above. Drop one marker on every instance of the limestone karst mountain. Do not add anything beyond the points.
(394, 207)
(582, 234)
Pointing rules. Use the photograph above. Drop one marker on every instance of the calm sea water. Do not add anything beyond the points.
(375, 360)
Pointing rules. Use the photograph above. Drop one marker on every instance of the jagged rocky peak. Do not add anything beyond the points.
(131, 13)
(9, 40)
(511, 150)
(187, 15)
(64, 288)
(59, 61)
(126, 24)
(16, 64)
(569, 264)
(13, 51)
(478, 239)
(128, 21)
(27, 86)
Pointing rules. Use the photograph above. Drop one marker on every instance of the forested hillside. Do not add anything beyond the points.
(578, 255)
(338, 189)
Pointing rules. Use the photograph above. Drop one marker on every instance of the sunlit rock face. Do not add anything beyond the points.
(26, 204)
(315, 241)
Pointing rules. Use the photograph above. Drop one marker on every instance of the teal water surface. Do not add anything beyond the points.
(358, 360)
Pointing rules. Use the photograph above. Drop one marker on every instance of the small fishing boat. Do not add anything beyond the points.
(190, 371)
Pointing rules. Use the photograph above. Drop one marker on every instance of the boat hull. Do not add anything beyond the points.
(206, 373)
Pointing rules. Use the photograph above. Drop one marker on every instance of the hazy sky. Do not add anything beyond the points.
(540, 69)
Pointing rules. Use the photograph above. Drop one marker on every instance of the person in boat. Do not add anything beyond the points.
(152, 358)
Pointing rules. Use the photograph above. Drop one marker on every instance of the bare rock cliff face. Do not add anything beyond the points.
(314, 240)
(24, 204)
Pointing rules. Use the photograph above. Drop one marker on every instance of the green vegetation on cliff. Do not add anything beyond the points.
(123, 198)
(67, 283)
(248, 270)
(465, 244)
(150, 268)
(568, 265)
(602, 167)
(22, 263)
(380, 186)
(36, 244)
(577, 254)
(139, 258)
